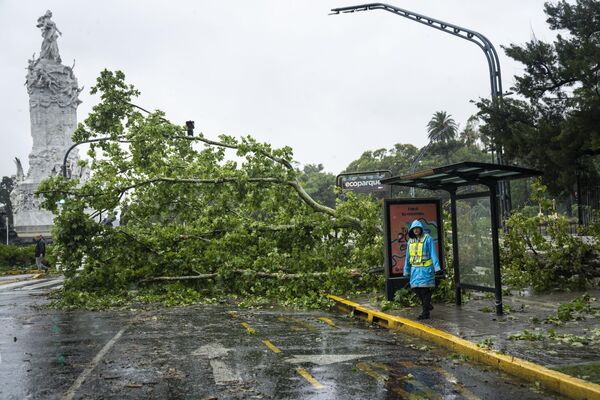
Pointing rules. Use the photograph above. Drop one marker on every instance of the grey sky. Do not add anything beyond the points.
(283, 71)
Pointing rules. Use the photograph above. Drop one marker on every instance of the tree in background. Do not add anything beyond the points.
(318, 184)
(470, 135)
(557, 120)
(6, 186)
(441, 127)
(396, 159)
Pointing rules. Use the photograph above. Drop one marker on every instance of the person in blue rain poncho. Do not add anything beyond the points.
(421, 265)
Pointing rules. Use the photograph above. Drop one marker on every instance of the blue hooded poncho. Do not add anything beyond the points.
(421, 276)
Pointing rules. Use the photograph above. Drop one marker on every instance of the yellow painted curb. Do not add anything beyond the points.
(553, 380)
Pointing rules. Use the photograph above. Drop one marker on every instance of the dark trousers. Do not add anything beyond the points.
(424, 294)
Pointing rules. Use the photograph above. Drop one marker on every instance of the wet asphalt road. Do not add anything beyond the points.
(218, 352)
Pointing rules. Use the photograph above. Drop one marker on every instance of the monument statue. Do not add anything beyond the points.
(53, 100)
(50, 33)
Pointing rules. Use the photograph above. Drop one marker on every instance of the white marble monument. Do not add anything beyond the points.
(53, 100)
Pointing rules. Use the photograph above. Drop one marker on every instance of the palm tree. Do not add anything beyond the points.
(441, 127)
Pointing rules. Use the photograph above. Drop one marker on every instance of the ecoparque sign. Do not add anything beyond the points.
(364, 182)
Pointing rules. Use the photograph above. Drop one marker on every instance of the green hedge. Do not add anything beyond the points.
(21, 257)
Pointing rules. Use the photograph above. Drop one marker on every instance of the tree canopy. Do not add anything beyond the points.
(6, 186)
(318, 184)
(557, 119)
(191, 214)
(441, 127)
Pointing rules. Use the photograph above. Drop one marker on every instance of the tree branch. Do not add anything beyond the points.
(277, 275)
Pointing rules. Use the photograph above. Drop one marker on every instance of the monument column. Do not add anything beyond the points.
(53, 100)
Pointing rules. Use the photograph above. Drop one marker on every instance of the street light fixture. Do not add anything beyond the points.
(190, 127)
(472, 36)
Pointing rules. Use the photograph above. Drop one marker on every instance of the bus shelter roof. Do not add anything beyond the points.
(449, 177)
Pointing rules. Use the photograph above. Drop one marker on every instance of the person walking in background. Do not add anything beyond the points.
(421, 264)
(40, 252)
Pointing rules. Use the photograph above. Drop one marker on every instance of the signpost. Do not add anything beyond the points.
(365, 182)
(398, 216)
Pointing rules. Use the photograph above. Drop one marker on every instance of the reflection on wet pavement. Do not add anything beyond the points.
(215, 351)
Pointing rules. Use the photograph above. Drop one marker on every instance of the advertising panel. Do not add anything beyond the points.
(399, 214)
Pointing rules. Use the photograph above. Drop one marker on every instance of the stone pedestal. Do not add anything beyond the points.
(53, 100)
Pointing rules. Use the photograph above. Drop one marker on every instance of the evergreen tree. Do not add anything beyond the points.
(557, 121)
(6, 186)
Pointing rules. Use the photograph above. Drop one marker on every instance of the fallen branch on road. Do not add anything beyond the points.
(278, 275)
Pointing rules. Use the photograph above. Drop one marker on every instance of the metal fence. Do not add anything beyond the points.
(588, 204)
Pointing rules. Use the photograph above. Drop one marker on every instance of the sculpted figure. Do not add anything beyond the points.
(50, 33)
(20, 173)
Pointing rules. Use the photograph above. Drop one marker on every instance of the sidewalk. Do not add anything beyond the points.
(572, 348)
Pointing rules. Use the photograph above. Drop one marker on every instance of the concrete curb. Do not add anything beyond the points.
(566, 385)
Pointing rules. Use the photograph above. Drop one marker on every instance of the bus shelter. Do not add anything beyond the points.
(475, 219)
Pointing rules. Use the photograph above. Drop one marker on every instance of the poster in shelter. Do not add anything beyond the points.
(400, 216)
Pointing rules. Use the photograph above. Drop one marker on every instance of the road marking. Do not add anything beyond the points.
(311, 379)
(86, 372)
(250, 330)
(298, 324)
(212, 350)
(466, 393)
(222, 373)
(408, 364)
(42, 285)
(366, 368)
(407, 395)
(379, 365)
(5, 282)
(328, 322)
(424, 389)
(271, 346)
(324, 359)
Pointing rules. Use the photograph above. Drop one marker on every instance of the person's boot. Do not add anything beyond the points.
(423, 316)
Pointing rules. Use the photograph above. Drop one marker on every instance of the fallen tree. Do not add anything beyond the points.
(276, 275)
(191, 212)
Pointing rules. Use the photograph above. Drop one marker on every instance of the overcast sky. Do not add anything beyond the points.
(283, 71)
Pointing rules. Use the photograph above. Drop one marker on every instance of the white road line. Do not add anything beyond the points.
(42, 285)
(26, 284)
(86, 372)
(18, 284)
(222, 373)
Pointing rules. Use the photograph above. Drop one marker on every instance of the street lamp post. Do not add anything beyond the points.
(66, 174)
(472, 36)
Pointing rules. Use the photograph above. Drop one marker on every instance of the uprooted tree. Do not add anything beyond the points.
(218, 217)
